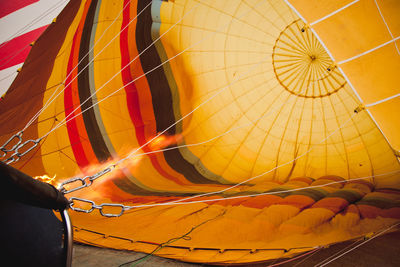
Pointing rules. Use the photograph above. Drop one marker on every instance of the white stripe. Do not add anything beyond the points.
(369, 51)
(333, 13)
(15, 21)
(7, 76)
(387, 26)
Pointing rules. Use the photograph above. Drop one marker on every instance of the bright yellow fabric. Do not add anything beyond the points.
(353, 31)
(228, 51)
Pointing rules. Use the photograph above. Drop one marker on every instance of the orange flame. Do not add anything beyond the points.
(99, 188)
(164, 141)
(46, 179)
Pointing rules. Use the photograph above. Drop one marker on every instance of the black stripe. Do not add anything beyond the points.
(96, 139)
(93, 131)
(161, 94)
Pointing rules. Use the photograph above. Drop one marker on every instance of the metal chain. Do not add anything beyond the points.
(93, 206)
(17, 155)
(85, 181)
(4, 148)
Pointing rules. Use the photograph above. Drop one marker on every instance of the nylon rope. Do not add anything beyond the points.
(316, 251)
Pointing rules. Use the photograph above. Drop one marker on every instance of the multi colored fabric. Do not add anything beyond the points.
(235, 107)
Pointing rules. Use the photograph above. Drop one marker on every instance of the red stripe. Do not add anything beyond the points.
(73, 133)
(131, 90)
(9, 6)
(16, 50)
(132, 96)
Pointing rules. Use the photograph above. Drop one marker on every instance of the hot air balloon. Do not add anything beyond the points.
(214, 131)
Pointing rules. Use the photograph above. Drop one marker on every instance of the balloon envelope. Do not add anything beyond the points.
(234, 107)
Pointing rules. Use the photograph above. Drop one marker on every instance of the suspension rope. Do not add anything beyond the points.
(316, 251)
(143, 75)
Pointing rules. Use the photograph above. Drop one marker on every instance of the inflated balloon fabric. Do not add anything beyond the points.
(247, 109)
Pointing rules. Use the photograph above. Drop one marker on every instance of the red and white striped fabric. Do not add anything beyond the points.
(21, 23)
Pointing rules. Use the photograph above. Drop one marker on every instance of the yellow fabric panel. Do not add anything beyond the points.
(375, 75)
(391, 10)
(354, 30)
(58, 158)
(313, 10)
(387, 117)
